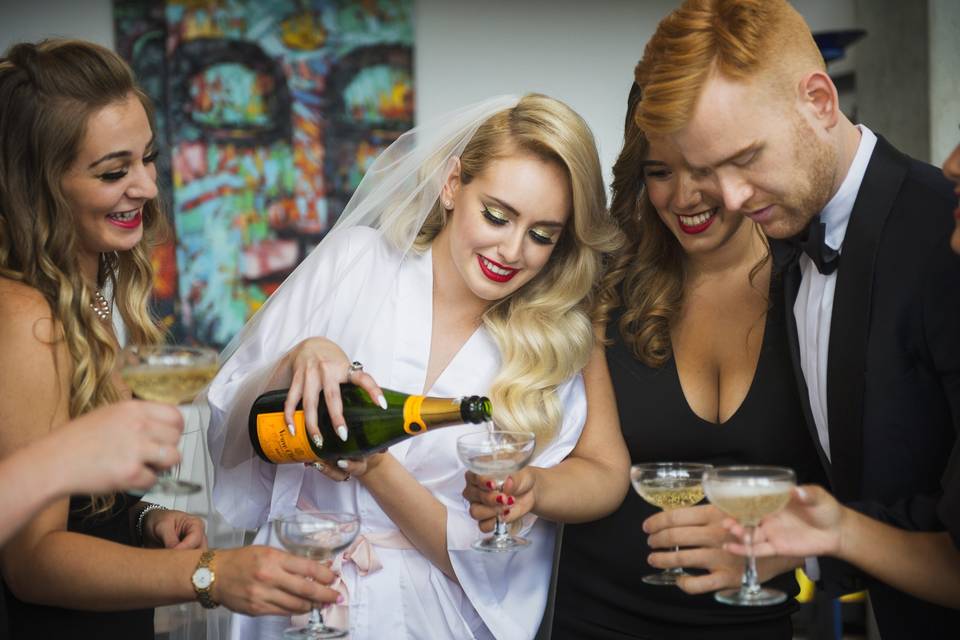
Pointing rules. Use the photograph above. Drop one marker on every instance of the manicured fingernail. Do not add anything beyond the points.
(382, 401)
(340, 599)
(510, 500)
(319, 466)
(292, 429)
(506, 512)
(317, 441)
(343, 464)
(500, 499)
(489, 484)
(342, 432)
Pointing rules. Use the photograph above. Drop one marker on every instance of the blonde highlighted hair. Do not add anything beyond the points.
(543, 330)
(48, 92)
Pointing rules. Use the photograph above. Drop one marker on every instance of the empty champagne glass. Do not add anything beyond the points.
(319, 536)
(668, 485)
(174, 374)
(748, 494)
(497, 454)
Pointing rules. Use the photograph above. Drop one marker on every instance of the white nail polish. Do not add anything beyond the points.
(319, 466)
(317, 441)
(342, 432)
(343, 464)
(383, 402)
(292, 429)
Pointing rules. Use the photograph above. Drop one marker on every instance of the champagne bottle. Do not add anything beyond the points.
(370, 427)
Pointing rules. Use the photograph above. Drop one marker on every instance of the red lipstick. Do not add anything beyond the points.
(496, 277)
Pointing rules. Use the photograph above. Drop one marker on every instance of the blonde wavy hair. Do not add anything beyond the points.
(48, 92)
(750, 40)
(543, 330)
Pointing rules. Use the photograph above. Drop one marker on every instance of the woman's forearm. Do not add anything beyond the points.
(420, 516)
(77, 571)
(578, 490)
(924, 564)
(29, 480)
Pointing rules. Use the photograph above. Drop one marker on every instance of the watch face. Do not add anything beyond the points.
(202, 578)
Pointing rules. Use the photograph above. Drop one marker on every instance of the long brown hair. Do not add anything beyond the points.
(48, 92)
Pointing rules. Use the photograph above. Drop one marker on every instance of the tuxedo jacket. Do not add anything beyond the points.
(893, 366)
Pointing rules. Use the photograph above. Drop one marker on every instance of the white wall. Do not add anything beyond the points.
(944, 78)
(582, 53)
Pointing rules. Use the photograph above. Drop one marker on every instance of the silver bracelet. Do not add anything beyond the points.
(143, 515)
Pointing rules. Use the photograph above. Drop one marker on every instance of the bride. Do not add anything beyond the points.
(461, 266)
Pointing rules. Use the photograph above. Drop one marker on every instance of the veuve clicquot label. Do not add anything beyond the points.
(370, 427)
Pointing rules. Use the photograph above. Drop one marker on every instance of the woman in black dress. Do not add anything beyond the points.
(78, 209)
(699, 361)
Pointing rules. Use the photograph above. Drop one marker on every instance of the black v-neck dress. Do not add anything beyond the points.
(599, 591)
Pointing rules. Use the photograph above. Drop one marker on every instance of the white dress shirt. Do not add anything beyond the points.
(813, 308)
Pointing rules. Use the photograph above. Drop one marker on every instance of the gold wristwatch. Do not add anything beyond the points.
(202, 580)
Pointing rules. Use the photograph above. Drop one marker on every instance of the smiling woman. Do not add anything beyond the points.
(78, 212)
(462, 264)
(106, 188)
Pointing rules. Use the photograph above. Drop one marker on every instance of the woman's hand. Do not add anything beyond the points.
(810, 525)
(317, 364)
(260, 580)
(346, 468)
(517, 499)
(168, 529)
(700, 533)
(117, 447)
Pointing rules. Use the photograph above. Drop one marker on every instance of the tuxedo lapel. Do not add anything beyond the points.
(850, 323)
(785, 263)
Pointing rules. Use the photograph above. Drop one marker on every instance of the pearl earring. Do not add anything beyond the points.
(447, 204)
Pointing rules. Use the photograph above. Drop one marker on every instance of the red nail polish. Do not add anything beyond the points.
(500, 499)
(489, 484)
(506, 512)
(510, 500)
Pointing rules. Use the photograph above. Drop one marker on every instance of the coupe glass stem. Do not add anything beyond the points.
(500, 530)
(316, 619)
(675, 571)
(749, 583)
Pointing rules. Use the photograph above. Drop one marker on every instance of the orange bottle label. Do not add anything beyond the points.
(277, 443)
(412, 421)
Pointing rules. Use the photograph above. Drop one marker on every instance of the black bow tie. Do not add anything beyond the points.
(813, 242)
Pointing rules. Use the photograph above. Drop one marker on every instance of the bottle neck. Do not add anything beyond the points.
(423, 412)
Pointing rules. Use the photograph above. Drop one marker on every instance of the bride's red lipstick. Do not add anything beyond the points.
(496, 277)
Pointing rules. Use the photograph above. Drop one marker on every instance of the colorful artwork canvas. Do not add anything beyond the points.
(268, 114)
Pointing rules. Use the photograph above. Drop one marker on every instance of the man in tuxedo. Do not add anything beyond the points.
(860, 233)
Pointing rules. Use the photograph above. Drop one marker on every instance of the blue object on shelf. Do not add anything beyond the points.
(832, 44)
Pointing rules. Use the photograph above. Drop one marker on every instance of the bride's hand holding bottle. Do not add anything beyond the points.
(319, 365)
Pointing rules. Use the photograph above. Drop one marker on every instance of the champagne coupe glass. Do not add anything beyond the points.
(497, 454)
(668, 485)
(748, 494)
(174, 374)
(319, 536)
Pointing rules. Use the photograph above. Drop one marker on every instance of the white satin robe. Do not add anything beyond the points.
(385, 322)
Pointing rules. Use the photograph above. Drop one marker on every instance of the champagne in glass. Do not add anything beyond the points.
(173, 374)
(668, 485)
(319, 536)
(497, 454)
(748, 494)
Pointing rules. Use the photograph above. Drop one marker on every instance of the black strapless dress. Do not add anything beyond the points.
(32, 622)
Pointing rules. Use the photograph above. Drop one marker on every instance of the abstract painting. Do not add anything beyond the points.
(268, 113)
